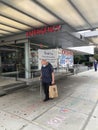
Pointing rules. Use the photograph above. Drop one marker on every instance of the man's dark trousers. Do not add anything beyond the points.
(46, 89)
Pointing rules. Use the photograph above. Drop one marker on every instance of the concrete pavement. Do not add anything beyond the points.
(76, 108)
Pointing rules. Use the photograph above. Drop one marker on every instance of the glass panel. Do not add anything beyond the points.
(13, 23)
(89, 9)
(33, 9)
(8, 28)
(19, 16)
(64, 10)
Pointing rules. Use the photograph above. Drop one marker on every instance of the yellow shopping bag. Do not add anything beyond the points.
(53, 92)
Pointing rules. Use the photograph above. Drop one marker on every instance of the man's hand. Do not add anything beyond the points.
(40, 77)
(52, 82)
(53, 78)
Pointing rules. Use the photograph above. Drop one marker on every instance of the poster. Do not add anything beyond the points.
(59, 58)
(65, 58)
(51, 55)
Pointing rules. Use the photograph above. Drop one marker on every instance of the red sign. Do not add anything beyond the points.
(43, 30)
(67, 52)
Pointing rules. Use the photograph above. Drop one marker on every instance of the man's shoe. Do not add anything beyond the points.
(51, 98)
(45, 100)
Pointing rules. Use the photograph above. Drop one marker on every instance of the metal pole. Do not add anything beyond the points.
(0, 65)
(16, 60)
(27, 60)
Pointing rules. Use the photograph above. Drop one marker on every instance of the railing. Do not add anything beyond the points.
(79, 68)
(20, 71)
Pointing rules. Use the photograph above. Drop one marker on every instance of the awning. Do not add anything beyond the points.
(83, 50)
(21, 15)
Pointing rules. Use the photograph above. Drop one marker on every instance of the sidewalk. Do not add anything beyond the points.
(76, 108)
(7, 81)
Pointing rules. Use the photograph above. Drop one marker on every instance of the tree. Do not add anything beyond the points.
(77, 59)
(96, 56)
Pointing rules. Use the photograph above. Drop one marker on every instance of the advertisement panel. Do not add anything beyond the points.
(65, 58)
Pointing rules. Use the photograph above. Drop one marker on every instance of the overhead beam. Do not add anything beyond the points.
(52, 13)
(78, 11)
(16, 20)
(23, 12)
(11, 26)
(6, 30)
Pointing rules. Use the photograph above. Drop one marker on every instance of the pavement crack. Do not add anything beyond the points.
(89, 117)
(23, 127)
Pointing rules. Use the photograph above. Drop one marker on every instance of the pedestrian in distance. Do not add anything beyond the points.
(47, 77)
(95, 65)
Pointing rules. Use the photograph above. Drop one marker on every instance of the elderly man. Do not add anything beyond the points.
(47, 77)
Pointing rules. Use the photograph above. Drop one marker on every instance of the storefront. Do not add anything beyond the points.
(22, 59)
